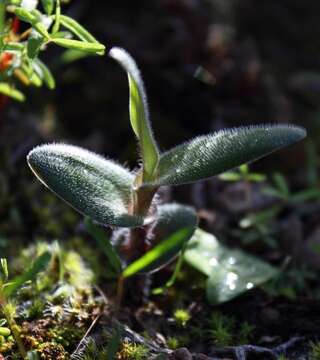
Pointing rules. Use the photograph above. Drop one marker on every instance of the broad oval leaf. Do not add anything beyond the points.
(139, 112)
(94, 186)
(175, 225)
(230, 271)
(210, 155)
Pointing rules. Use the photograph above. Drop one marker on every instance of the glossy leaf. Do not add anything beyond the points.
(165, 238)
(230, 271)
(139, 113)
(210, 155)
(94, 186)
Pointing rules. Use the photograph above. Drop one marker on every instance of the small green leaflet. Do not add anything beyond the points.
(230, 272)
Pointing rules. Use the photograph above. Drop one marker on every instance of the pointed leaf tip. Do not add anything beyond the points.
(139, 112)
(212, 154)
(96, 187)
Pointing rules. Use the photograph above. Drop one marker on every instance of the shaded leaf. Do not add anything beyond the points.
(99, 235)
(34, 45)
(139, 112)
(210, 155)
(94, 186)
(48, 6)
(43, 71)
(230, 272)
(174, 227)
(39, 265)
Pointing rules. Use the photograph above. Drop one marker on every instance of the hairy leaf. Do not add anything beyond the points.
(174, 227)
(94, 186)
(230, 272)
(139, 113)
(210, 155)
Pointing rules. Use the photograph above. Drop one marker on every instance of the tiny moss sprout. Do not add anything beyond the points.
(151, 235)
(181, 317)
(314, 350)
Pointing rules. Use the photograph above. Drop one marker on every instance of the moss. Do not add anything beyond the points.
(221, 329)
(181, 317)
(132, 351)
(314, 351)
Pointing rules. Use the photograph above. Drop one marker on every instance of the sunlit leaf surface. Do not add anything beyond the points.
(96, 187)
(230, 272)
(209, 155)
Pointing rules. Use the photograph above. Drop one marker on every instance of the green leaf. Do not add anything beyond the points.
(48, 6)
(39, 265)
(146, 261)
(77, 29)
(230, 272)
(4, 273)
(32, 19)
(94, 186)
(281, 184)
(43, 71)
(174, 227)
(139, 113)
(56, 26)
(34, 45)
(9, 90)
(114, 342)
(72, 55)
(95, 48)
(102, 240)
(210, 155)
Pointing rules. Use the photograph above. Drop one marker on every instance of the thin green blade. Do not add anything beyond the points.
(39, 265)
(139, 113)
(174, 227)
(99, 235)
(94, 186)
(210, 155)
(152, 256)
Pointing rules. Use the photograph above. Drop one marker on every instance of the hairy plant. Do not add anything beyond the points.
(111, 195)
